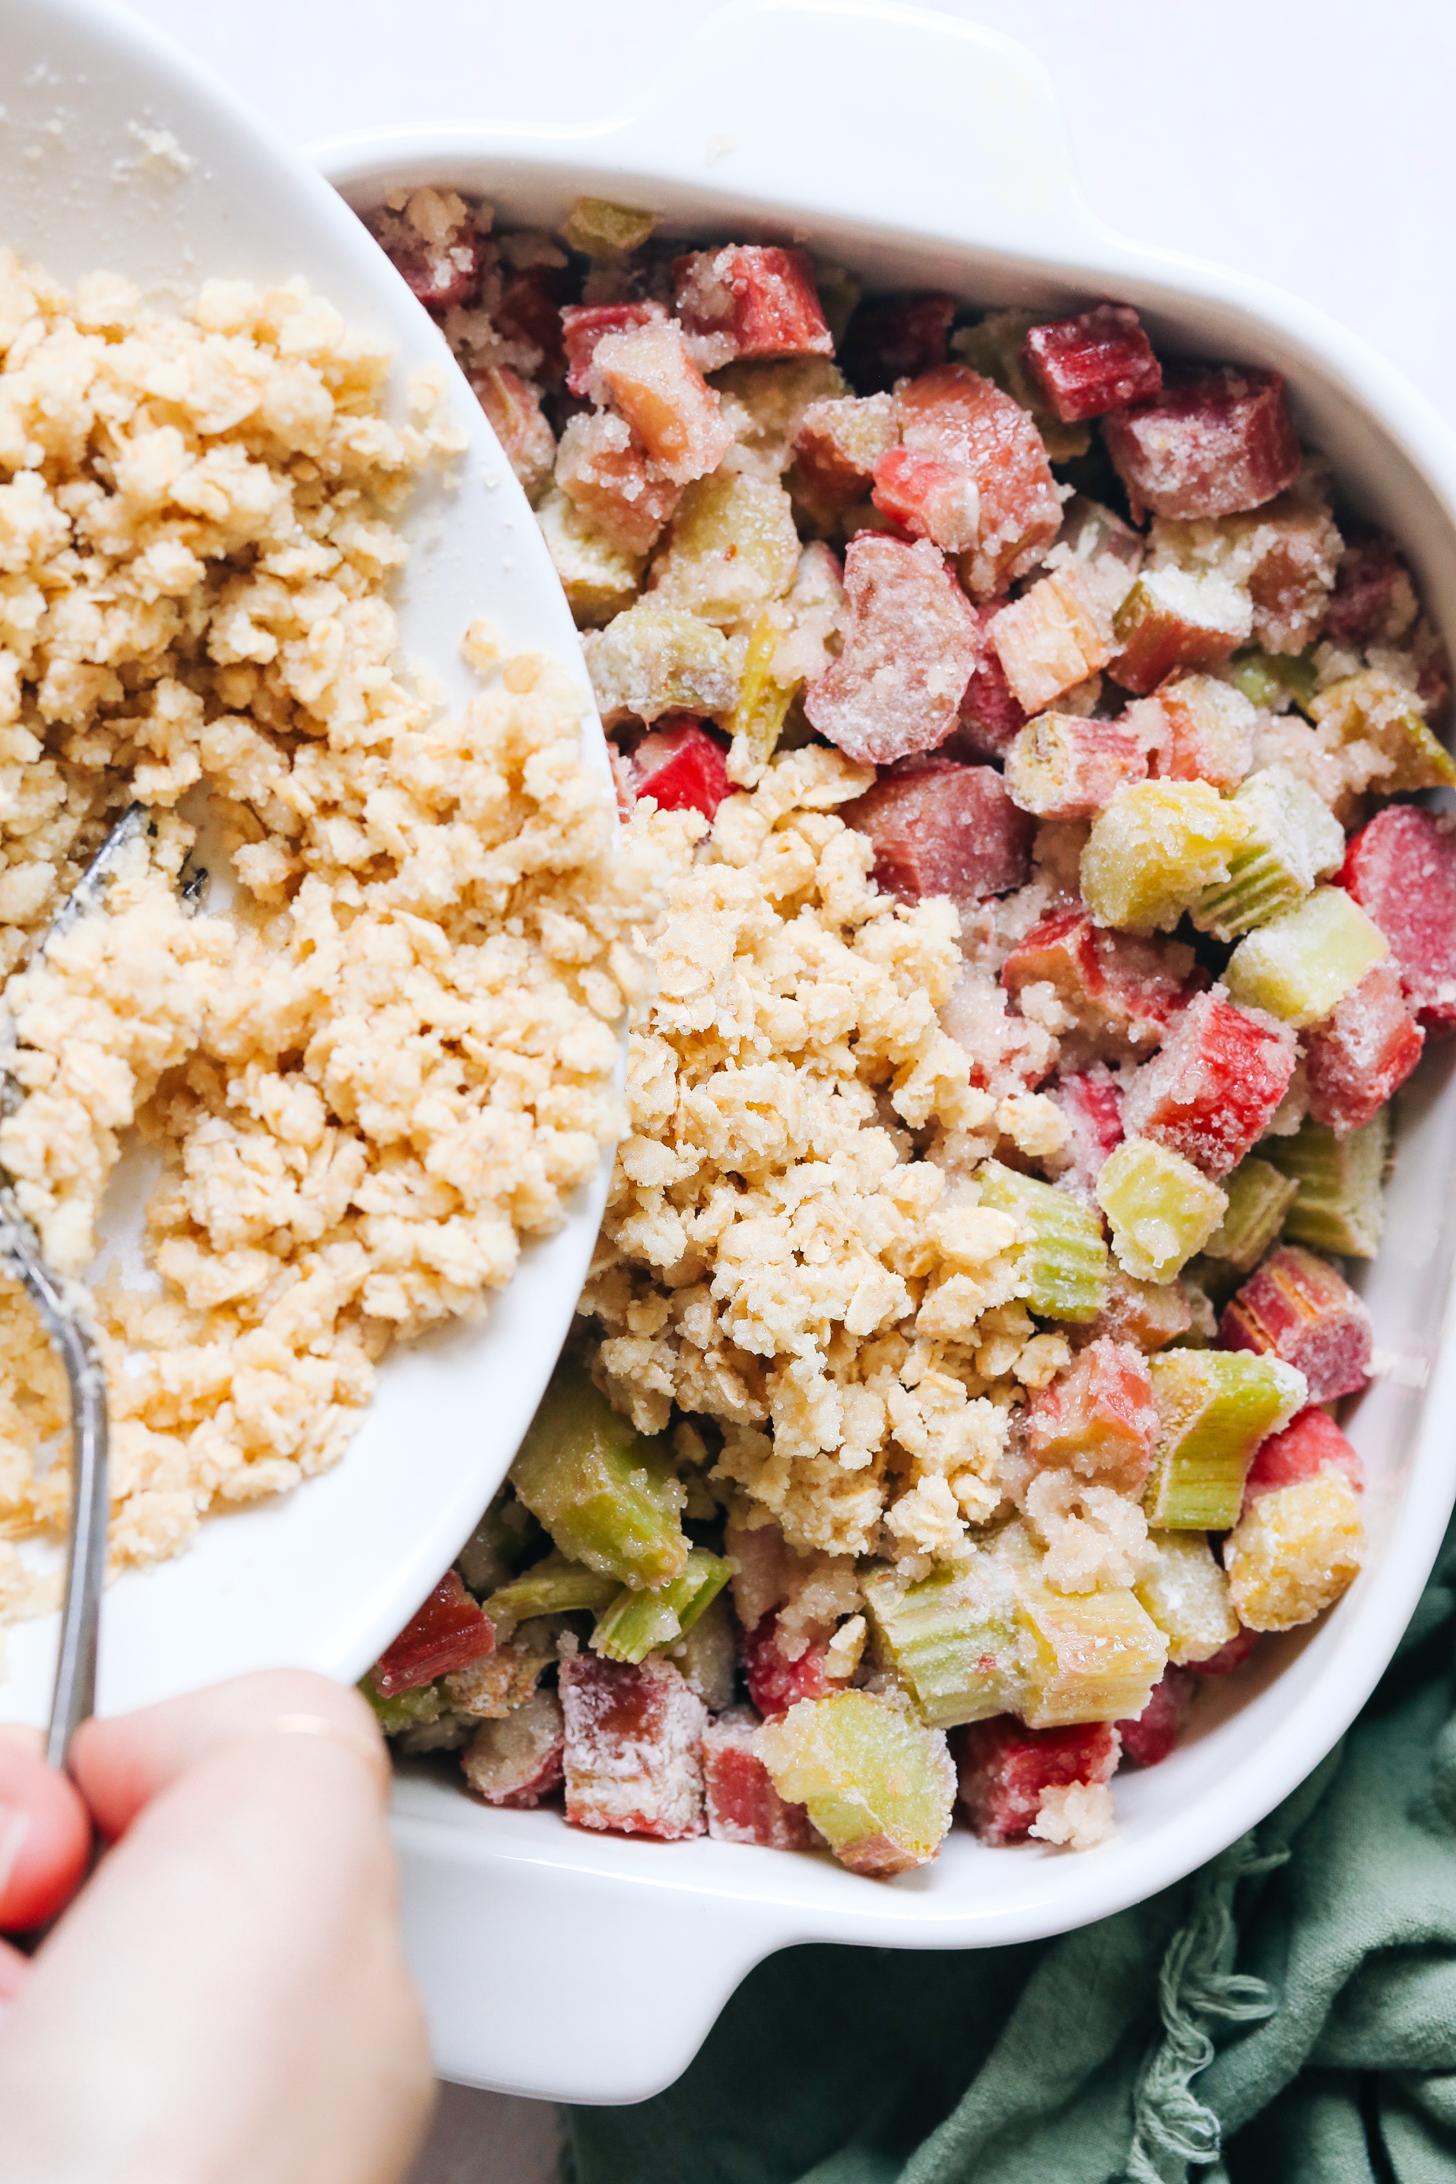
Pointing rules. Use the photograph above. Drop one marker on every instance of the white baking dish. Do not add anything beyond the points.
(923, 151)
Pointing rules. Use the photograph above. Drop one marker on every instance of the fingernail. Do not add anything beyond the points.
(14, 1828)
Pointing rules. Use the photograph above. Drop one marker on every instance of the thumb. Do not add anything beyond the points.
(45, 1835)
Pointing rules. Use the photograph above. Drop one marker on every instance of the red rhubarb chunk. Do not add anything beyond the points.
(519, 1759)
(757, 300)
(895, 337)
(1005, 1770)
(1067, 766)
(583, 325)
(966, 422)
(1091, 1100)
(1216, 441)
(839, 443)
(1298, 1307)
(633, 1748)
(1227, 1658)
(1211, 1091)
(1113, 985)
(912, 641)
(681, 767)
(1374, 600)
(1150, 1736)
(743, 1805)
(1402, 869)
(519, 423)
(943, 829)
(529, 311)
(448, 1632)
(775, 1681)
(1309, 1442)
(1097, 1418)
(441, 270)
(991, 717)
(646, 374)
(931, 498)
(1098, 361)
(1362, 1054)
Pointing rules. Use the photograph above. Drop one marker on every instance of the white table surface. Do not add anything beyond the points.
(1301, 142)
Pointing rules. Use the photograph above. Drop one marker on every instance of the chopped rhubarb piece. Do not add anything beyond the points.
(1294, 1551)
(1150, 1314)
(742, 1804)
(1401, 867)
(1091, 1100)
(752, 300)
(1176, 618)
(1299, 1308)
(1185, 1591)
(519, 423)
(1309, 1442)
(1097, 1654)
(1379, 725)
(1062, 1266)
(995, 346)
(1362, 1054)
(943, 829)
(1063, 766)
(839, 442)
(1339, 1185)
(775, 1680)
(765, 692)
(1151, 1735)
(962, 419)
(732, 548)
(1214, 443)
(1098, 361)
(583, 325)
(1155, 850)
(1159, 1208)
(990, 715)
(604, 471)
(896, 337)
(1291, 838)
(897, 684)
(654, 660)
(1259, 1198)
(1214, 1408)
(648, 376)
(1051, 638)
(602, 1490)
(1212, 1090)
(1097, 1417)
(599, 229)
(929, 497)
(529, 311)
(1107, 982)
(636, 1622)
(1004, 1770)
(1107, 552)
(599, 578)
(1374, 601)
(448, 1631)
(436, 248)
(1289, 551)
(518, 1760)
(1302, 963)
(955, 1638)
(552, 1586)
(633, 1748)
(878, 1784)
(1197, 729)
(1230, 1657)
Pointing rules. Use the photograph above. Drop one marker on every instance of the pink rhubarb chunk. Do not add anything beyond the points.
(839, 443)
(1227, 1658)
(895, 337)
(518, 1760)
(755, 299)
(583, 325)
(1361, 1055)
(1091, 1100)
(1065, 766)
(648, 377)
(929, 497)
(440, 271)
(1097, 1418)
(1401, 867)
(1211, 1091)
(1298, 1307)
(1005, 1770)
(965, 422)
(681, 767)
(633, 1748)
(1217, 440)
(449, 1631)
(1374, 600)
(943, 829)
(777, 1680)
(1309, 1442)
(742, 1804)
(1110, 983)
(1151, 1735)
(991, 717)
(1098, 361)
(912, 640)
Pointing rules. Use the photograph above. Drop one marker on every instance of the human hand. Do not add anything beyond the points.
(225, 2001)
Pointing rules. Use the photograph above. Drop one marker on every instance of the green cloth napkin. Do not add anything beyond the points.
(1286, 2016)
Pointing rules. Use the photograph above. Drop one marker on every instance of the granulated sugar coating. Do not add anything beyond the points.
(389, 1062)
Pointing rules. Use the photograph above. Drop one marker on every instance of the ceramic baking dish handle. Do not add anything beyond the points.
(545, 1979)
(876, 111)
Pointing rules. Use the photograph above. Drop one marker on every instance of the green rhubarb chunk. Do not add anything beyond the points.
(878, 1783)
(1097, 1655)
(1259, 1197)
(1214, 1408)
(1291, 839)
(1155, 849)
(552, 1586)
(417, 1709)
(956, 1639)
(600, 229)
(1272, 680)
(1339, 1186)
(603, 1491)
(1371, 708)
(1302, 964)
(653, 660)
(1160, 1208)
(1186, 1593)
(600, 580)
(637, 1623)
(996, 348)
(1062, 1265)
(763, 698)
